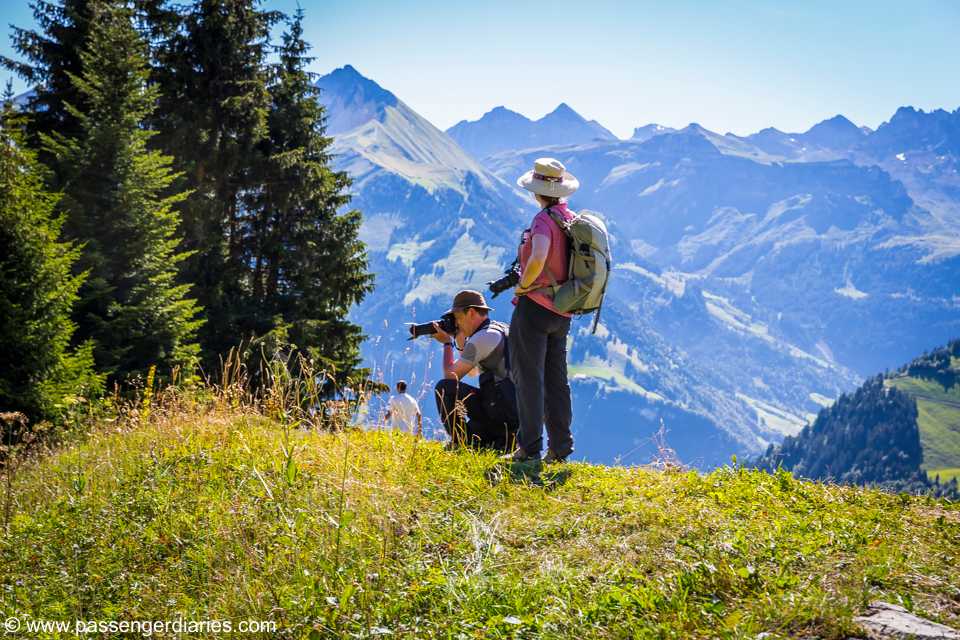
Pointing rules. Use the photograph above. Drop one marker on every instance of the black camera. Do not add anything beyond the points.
(447, 323)
(508, 281)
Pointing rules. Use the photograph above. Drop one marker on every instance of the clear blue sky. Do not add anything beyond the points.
(731, 66)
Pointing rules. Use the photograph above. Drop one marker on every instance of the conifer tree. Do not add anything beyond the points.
(309, 266)
(51, 54)
(38, 371)
(116, 203)
(212, 115)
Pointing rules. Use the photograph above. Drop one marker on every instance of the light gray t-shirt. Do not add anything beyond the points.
(482, 345)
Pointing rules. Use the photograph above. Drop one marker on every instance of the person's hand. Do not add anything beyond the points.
(440, 335)
(520, 290)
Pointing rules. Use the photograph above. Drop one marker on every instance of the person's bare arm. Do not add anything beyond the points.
(539, 249)
(453, 370)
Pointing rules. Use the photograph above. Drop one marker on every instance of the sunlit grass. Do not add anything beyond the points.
(945, 474)
(208, 511)
(938, 418)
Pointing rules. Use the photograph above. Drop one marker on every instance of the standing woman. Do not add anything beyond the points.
(538, 332)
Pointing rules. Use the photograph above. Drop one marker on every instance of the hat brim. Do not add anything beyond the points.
(561, 189)
(469, 306)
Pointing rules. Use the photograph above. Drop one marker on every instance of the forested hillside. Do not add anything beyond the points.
(933, 381)
(877, 435)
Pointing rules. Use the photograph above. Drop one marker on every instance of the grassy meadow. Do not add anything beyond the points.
(211, 509)
(938, 417)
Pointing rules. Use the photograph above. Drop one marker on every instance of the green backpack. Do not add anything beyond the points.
(586, 283)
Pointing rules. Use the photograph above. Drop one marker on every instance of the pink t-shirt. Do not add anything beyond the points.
(557, 257)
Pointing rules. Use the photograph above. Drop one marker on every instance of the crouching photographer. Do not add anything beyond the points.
(491, 411)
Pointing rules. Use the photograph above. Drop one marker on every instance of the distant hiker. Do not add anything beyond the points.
(491, 410)
(538, 331)
(403, 411)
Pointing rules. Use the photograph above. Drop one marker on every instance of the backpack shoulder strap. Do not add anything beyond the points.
(563, 224)
(505, 337)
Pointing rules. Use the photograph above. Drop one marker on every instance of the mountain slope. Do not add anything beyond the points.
(933, 381)
(644, 133)
(889, 432)
(224, 515)
(830, 257)
(429, 238)
(747, 292)
(826, 140)
(919, 149)
(501, 129)
(373, 130)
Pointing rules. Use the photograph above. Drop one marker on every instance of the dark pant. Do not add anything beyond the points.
(538, 365)
(477, 428)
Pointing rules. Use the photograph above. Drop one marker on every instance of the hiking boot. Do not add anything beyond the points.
(553, 458)
(519, 455)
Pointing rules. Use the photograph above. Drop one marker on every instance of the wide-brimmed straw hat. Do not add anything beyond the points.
(468, 298)
(549, 178)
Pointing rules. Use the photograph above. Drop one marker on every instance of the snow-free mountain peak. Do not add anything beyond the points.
(564, 110)
(770, 131)
(838, 121)
(502, 112)
(501, 129)
(834, 133)
(913, 132)
(374, 130)
(695, 128)
(690, 141)
(905, 112)
(498, 116)
(352, 99)
(564, 117)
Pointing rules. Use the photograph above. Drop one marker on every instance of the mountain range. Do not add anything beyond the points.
(753, 283)
(501, 129)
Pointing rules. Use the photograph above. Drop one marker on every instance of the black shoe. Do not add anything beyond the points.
(553, 458)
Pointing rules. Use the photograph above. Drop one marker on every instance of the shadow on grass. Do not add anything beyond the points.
(527, 472)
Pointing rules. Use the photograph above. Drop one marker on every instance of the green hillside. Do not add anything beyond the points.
(933, 381)
(214, 513)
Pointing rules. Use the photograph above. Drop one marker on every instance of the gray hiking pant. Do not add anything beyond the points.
(538, 366)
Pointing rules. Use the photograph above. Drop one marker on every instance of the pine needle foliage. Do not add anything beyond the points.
(117, 202)
(309, 266)
(40, 375)
(51, 53)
